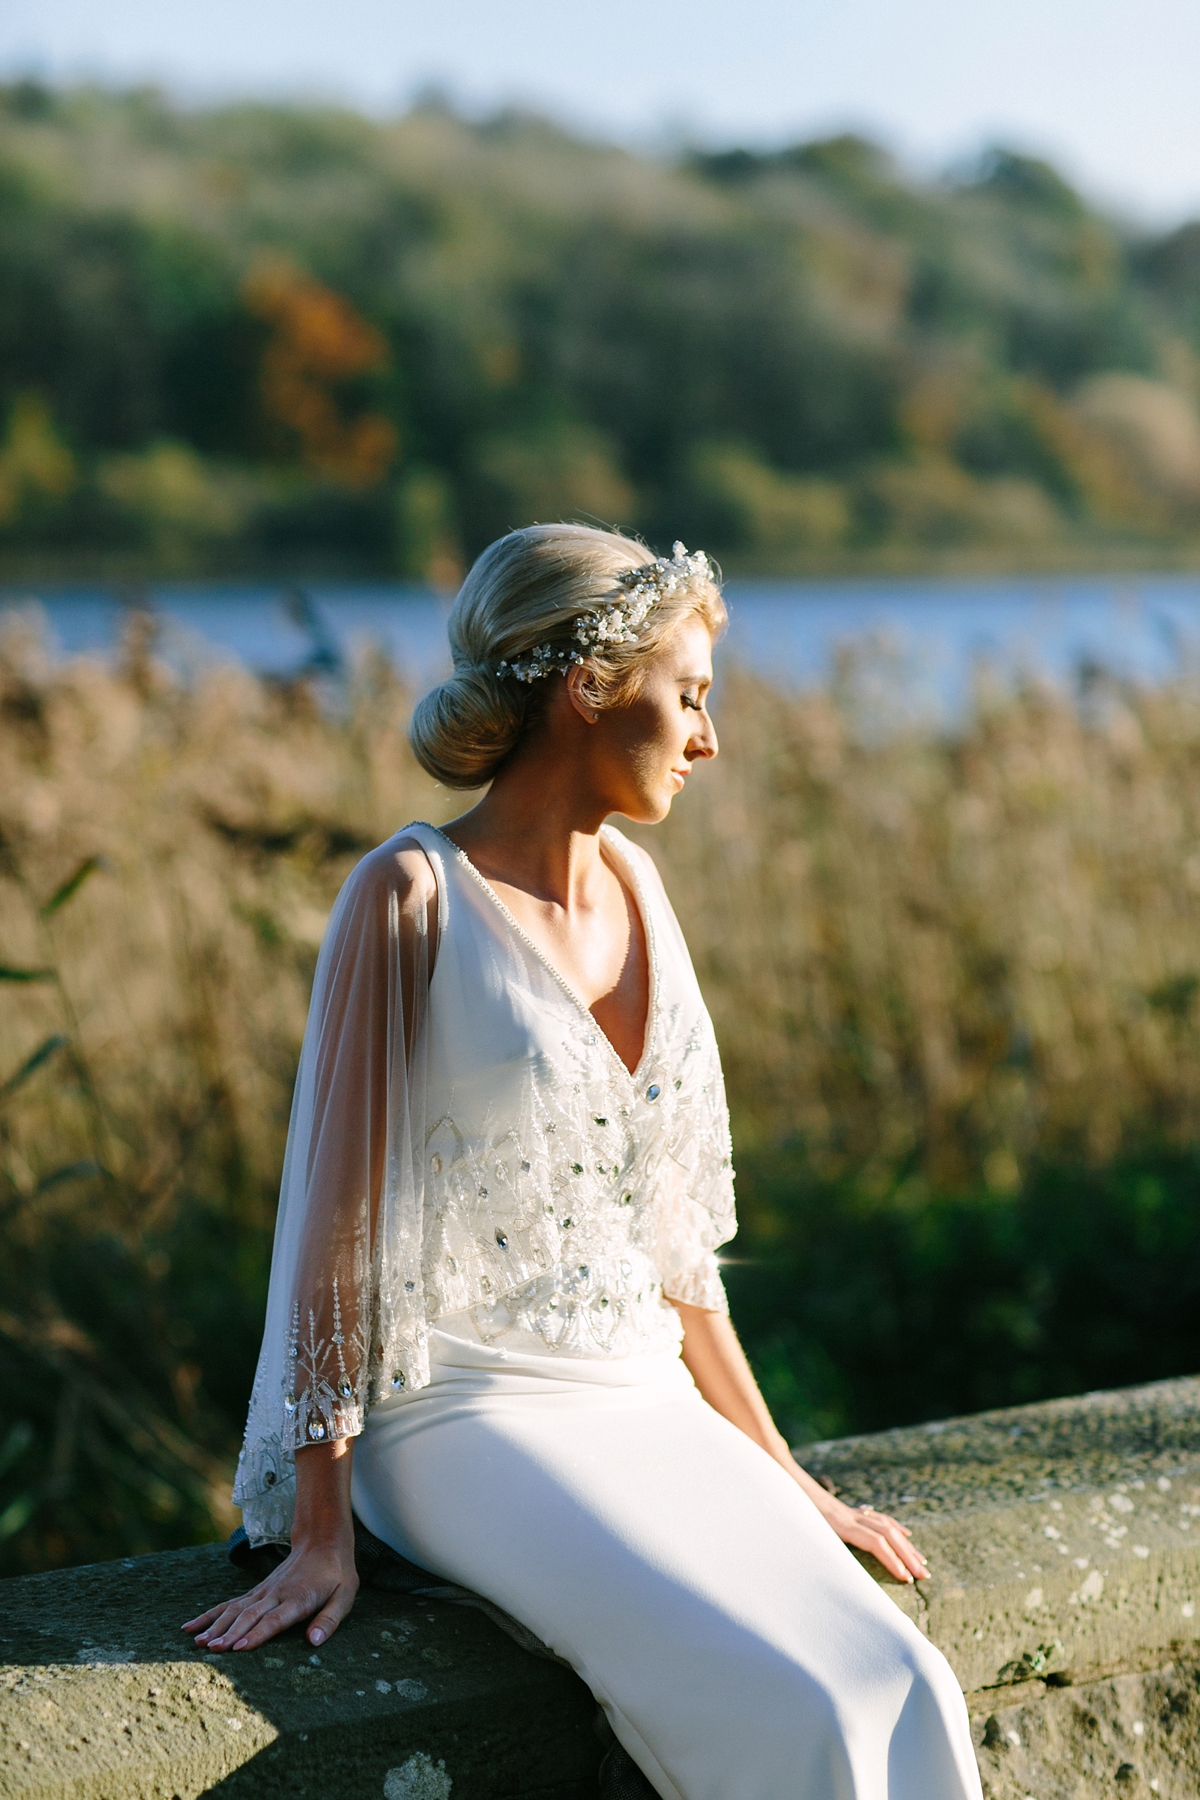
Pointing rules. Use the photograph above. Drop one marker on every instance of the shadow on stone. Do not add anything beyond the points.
(106, 1697)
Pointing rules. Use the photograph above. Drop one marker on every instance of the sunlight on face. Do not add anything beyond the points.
(650, 746)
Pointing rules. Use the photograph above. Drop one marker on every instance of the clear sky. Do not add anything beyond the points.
(1108, 88)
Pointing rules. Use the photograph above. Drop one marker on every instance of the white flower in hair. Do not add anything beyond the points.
(618, 623)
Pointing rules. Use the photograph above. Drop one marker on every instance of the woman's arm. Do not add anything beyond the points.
(717, 1364)
(319, 1574)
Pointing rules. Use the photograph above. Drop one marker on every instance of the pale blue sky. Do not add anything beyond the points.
(1109, 88)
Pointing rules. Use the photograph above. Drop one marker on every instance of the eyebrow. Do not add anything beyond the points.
(695, 680)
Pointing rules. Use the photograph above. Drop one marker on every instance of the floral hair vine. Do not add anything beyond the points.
(617, 623)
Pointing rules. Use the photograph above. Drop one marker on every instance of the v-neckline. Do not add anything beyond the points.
(643, 911)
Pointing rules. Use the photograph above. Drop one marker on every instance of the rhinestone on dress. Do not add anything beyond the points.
(583, 1270)
(270, 1478)
(567, 1224)
(525, 1168)
(653, 1091)
(598, 1120)
(626, 1199)
(501, 1240)
(397, 1381)
(339, 1337)
(483, 1193)
(289, 1403)
(409, 1286)
(577, 1168)
(345, 1390)
(316, 1429)
(435, 1163)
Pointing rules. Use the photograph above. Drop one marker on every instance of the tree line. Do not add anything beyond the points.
(255, 337)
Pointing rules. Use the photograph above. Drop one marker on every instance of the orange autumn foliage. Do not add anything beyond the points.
(317, 341)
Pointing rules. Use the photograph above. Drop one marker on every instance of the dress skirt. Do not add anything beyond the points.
(738, 1648)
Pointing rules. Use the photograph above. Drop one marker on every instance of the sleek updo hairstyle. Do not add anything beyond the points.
(527, 590)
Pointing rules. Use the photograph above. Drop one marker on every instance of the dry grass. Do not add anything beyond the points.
(932, 958)
(948, 952)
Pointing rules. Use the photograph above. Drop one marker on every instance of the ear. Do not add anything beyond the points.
(575, 680)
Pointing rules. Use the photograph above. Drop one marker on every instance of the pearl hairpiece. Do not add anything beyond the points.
(618, 623)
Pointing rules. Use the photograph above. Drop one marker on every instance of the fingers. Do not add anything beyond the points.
(257, 1626)
(883, 1552)
(207, 1618)
(889, 1542)
(324, 1586)
(332, 1614)
(233, 1621)
(203, 1619)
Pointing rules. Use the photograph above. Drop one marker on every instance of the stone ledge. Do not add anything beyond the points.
(1063, 1538)
(1064, 1544)
(103, 1698)
(1064, 1541)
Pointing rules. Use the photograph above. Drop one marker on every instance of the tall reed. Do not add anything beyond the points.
(935, 959)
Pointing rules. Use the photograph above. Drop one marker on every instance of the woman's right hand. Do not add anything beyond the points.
(318, 1576)
(319, 1579)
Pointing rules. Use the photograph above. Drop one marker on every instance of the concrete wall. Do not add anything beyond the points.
(1064, 1541)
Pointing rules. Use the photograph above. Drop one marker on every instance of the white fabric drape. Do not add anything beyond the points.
(472, 1142)
(346, 1317)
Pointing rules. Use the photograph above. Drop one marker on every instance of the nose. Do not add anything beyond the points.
(703, 741)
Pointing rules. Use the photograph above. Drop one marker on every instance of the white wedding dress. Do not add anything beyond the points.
(484, 1214)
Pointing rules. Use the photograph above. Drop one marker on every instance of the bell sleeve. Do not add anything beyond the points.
(345, 1311)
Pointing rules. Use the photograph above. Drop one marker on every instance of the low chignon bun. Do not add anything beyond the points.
(465, 727)
(525, 590)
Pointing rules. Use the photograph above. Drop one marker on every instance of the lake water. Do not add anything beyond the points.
(919, 639)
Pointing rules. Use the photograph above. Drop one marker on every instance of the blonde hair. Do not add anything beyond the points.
(525, 590)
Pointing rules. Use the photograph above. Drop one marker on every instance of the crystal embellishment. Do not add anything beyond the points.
(502, 1240)
(618, 617)
(653, 1091)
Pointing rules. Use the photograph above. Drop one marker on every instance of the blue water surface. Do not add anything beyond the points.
(926, 636)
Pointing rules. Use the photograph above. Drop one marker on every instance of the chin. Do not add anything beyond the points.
(647, 809)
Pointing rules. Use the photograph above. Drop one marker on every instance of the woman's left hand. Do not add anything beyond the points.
(888, 1541)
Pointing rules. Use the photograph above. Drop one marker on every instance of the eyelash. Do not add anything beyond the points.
(687, 700)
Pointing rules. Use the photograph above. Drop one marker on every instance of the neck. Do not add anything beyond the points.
(538, 828)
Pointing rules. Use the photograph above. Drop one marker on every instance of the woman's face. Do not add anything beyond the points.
(644, 751)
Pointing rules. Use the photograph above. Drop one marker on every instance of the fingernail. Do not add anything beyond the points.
(241, 1643)
(316, 1637)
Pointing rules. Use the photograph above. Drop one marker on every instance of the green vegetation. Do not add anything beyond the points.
(282, 337)
(956, 979)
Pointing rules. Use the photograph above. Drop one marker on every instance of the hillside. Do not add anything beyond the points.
(260, 338)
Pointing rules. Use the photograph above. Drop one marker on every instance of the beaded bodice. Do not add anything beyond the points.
(565, 1195)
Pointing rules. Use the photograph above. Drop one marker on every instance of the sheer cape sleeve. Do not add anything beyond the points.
(346, 1308)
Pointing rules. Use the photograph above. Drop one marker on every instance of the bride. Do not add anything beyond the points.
(496, 1329)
